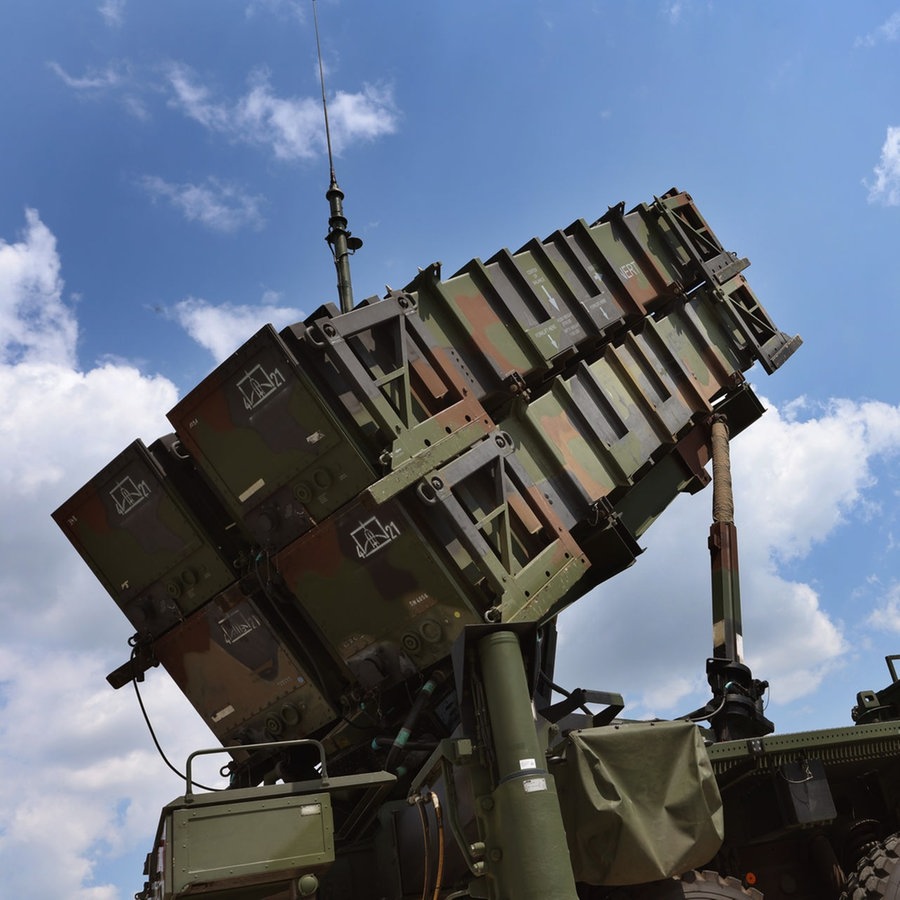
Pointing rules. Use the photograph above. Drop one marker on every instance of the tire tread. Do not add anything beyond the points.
(876, 876)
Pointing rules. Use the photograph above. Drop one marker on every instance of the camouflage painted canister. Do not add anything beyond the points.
(239, 675)
(144, 543)
(266, 439)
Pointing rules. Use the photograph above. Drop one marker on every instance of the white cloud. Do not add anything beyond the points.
(221, 329)
(799, 476)
(61, 632)
(886, 616)
(811, 465)
(293, 127)
(108, 784)
(112, 12)
(886, 187)
(93, 80)
(889, 30)
(115, 79)
(34, 323)
(217, 205)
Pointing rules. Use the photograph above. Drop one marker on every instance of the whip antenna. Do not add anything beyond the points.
(340, 240)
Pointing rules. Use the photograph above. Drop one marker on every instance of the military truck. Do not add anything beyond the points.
(351, 552)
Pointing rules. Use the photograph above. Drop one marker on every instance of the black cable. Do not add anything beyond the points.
(165, 759)
(708, 717)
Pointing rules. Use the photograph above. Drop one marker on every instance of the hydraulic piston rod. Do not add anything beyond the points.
(723, 548)
(736, 710)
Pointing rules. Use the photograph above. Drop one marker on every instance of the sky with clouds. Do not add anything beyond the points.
(163, 196)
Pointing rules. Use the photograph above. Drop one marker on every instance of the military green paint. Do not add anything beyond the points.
(257, 425)
(379, 508)
(143, 542)
(237, 672)
(527, 856)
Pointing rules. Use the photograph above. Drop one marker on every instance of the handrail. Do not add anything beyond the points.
(189, 794)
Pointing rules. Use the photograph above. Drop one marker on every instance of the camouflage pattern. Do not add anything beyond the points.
(346, 497)
(389, 585)
(523, 315)
(356, 458)
(145, 544)
(598, 431)
(239, 675)
(405, 396)
(384, 599)
(269, 443)
(502, 532)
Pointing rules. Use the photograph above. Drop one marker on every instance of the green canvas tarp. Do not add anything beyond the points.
(639, 802)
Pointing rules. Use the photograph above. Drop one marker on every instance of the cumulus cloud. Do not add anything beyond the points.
(810, 464)
(800, 474)
(222, 328)
(888, 30)
(886, 186)
(291, 127)
(35, 326)
(61, 632)
(108, 784)
(886, 615)
(216, 204)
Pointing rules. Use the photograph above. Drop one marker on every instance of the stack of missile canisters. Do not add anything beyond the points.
(340, 499)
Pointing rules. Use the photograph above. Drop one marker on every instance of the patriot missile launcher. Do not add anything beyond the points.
(351, 552)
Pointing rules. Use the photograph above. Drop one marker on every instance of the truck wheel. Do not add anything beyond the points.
(713, 886)
(877, 875)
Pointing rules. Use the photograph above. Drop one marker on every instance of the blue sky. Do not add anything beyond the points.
(163, 196)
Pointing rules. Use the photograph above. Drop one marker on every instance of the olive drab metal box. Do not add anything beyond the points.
(239, 675)
(386, 605)
(391, 584)
(143, 541)
(217, 845)
(268, 442)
